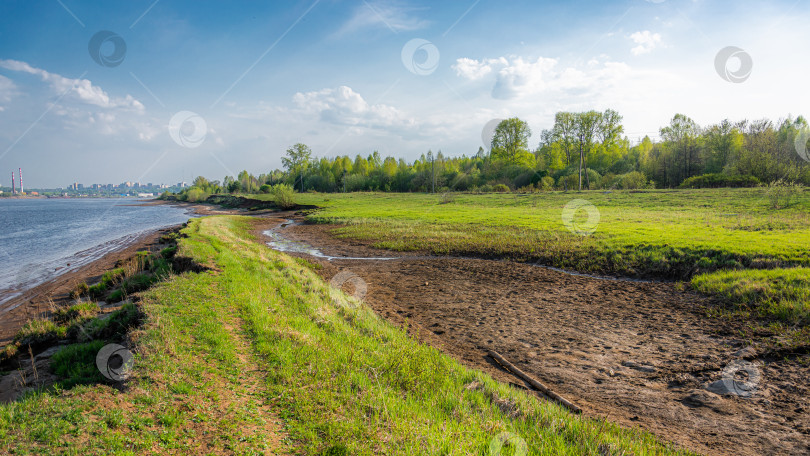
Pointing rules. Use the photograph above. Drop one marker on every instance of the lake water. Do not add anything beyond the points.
(40, 237)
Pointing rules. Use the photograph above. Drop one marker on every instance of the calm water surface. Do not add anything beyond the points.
(40, 237)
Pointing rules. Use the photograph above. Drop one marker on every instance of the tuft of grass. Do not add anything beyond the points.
(781, 294)
(79, 312)
(40, 331)
(76, 364)
(82, 289)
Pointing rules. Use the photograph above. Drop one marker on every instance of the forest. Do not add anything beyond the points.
(582, 150)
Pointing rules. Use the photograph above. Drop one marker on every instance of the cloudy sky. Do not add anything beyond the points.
(159, 91)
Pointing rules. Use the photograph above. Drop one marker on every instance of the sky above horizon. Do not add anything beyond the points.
(163, 90)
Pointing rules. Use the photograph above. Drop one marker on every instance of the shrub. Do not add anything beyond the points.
(609, 181)
(284, 196)
(265, 188)
(593, 179)
(719, 180)
(486, 188)
(196, 195)
(632, 180)
(782, 193)
(546, 183)
(569, 182)
(501, 188)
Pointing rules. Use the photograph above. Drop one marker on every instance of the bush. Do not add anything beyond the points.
(265, 188)
(501, 188)
(719, 180)
(196, 195)
(609, 181)
(284, 196)
(569, 182)
(593, 179)
(632, 180)
(546, 183)
(782, 193)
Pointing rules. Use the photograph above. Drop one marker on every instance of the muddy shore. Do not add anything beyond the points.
(639, 354)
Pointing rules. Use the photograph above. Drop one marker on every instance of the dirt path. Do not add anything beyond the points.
(638, 353)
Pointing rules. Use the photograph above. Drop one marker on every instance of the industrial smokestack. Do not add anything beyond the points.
(21, 184)
(13, 189)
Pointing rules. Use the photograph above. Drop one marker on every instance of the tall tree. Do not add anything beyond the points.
(587, 125)
(683, 134)
(511, 140)
(297, 160)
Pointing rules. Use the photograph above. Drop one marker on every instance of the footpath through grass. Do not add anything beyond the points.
(223, 354)
(669, 234)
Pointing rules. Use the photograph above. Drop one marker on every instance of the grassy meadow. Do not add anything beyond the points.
(728, 242)
(224, 357)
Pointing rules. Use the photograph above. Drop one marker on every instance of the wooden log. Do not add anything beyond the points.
(536, 384)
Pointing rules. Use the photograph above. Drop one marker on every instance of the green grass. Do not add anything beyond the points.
(222, 354)
(76, 364)
(76, 313)
(783, 293)
(40, 331)
(669, 234)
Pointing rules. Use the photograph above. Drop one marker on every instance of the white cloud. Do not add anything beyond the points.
(7, 90)
(384, 14)
(521, 77)
(82, 89)
(476, 69)
(646, 41)
(344, 106)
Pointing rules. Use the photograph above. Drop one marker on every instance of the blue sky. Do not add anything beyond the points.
(261, 76)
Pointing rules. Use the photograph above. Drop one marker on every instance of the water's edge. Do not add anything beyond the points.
(283, 244)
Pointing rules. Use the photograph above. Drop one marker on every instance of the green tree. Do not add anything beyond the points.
(511, 141)
(297, 160)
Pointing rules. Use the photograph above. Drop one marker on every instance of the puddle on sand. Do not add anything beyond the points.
(285, 245)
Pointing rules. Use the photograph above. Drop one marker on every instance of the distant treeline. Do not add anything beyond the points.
(586, 150)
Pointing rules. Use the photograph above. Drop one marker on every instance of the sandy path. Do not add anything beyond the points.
(638, 353)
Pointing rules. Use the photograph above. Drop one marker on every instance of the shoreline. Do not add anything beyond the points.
(39, 300)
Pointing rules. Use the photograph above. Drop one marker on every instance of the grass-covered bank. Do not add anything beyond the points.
(223, 353)
(671, 234)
